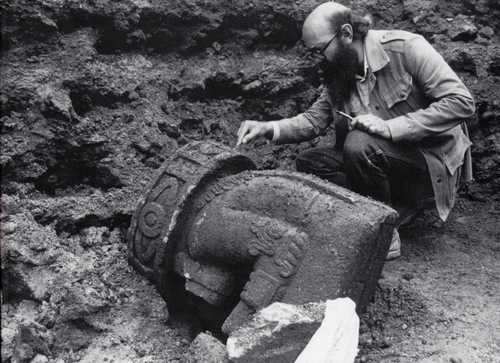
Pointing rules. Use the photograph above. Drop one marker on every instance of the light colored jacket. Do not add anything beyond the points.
(421, 98)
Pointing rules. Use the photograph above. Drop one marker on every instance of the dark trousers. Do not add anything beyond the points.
(395, 174)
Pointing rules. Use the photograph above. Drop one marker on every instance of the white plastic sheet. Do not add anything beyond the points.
(336, 340)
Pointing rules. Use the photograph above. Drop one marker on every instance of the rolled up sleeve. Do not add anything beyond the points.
(451, 102)
(306, 125)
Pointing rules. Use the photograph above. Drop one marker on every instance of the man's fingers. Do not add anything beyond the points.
(241, 132)
(350, 125)
(250, 136)
(357, 123)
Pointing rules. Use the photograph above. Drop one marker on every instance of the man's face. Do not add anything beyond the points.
(337, 62)
(339, 69)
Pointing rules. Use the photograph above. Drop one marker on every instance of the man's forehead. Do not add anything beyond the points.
(316, 33)
(317, 27)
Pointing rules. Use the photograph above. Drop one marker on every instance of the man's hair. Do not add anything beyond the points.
(360, 24)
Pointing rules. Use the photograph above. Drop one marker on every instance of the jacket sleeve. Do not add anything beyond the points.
(306, 125)
(451, 102)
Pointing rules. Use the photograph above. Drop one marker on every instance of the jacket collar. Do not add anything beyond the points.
(376, 56)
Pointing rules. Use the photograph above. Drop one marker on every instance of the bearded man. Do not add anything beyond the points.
(397, 110)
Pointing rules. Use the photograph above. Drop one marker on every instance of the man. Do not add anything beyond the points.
(405, 142)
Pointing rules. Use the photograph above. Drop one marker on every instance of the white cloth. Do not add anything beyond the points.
(336, 340)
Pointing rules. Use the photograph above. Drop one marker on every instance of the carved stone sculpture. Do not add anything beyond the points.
(238, 239)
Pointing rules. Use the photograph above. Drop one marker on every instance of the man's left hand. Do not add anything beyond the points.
(371, 124)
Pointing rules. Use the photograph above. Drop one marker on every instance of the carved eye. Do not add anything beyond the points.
(151, 219)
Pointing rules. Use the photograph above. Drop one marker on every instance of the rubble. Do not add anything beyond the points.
(206, 349)
(277, 333)
(462, 29)
(462, 60)
(494, 66)
(32, 341)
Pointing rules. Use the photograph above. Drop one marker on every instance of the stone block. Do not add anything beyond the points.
(277, 333)
(239, 240)
(206, 349)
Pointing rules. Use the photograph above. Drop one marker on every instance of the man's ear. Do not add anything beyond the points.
(346, 33)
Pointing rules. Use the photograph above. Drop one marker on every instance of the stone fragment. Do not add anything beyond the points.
(461, 60)
(9, 205)
(136, 38)
(8, 338)
(56, 103)
(252, 86)
(78, 301)
(34, 283)
(486, 32)
(40, 358)
(462, 29)
(9, 227)
(69, 212)
(206, 349)
(494, 67)
(170, 129)
(417, 10)
(277, 333)
(31, 339)
(93, 236)
(45, 23)
(336, 340)
(25, 257)
(14, 316)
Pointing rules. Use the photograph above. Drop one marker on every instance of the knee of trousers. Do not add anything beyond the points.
(358, 145)
(303, 161)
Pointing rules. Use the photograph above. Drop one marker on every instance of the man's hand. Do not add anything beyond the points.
(371, 124)
(250, 130)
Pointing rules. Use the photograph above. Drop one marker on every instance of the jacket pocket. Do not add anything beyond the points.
(398, 91)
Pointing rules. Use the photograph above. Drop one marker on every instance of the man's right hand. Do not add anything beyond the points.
(250, 130)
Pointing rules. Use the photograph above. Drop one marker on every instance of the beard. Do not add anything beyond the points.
(339, 74)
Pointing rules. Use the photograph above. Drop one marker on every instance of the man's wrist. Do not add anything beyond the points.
(273, 132)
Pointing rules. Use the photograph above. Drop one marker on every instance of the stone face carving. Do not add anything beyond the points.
(240, 239)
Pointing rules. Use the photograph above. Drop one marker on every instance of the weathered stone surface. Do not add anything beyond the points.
(12, 319)
(78, 301)
(56, 103)
(206, 349)
(486, 32)
(40, 358)
(494, 66)
(299, 238)
(31, 339)
(462, 28)
(93, 236)
(181, 174)
(418, 10)
(462, 60)
(277, 333)
(25, 255)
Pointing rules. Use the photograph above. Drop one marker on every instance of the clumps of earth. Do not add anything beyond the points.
(95, 95)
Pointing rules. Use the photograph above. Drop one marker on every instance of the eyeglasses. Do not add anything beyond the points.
(316, 52)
